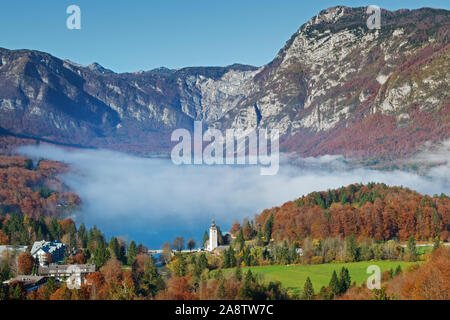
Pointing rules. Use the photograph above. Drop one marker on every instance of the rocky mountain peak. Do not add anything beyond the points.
(336, 87)
(96, 67)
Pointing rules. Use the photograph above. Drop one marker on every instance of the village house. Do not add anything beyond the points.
(29, 282)
(43, 250)
(73, 274)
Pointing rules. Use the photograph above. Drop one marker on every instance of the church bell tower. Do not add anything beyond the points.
(212, 237)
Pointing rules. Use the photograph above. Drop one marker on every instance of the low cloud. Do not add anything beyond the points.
(153, 200)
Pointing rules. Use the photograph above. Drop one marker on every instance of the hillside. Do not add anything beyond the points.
(367, 211)
(334, 88)
(34, 190)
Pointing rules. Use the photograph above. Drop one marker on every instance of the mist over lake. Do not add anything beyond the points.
(152, 200)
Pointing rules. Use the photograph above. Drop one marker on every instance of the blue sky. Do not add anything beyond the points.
(128, 36)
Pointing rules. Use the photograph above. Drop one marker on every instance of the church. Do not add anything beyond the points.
(213, 245)
(212, 241)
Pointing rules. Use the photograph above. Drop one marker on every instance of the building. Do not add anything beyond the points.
(212, 241)
(73, 274)
(42, 250)
(29, 282)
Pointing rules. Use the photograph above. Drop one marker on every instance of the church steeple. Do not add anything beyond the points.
(212, 243)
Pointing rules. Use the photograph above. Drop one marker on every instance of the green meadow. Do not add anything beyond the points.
(293, 277)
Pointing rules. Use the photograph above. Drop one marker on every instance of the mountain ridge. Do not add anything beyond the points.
(334, 88)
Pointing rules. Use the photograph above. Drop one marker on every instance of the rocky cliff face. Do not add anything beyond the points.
(336, 87)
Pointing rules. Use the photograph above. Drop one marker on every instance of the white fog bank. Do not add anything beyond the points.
(153, 200)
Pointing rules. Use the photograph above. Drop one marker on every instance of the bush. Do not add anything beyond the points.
(316, 260)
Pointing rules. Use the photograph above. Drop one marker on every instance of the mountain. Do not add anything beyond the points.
(336, 87)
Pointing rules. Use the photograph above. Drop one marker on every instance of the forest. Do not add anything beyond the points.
(356, 223)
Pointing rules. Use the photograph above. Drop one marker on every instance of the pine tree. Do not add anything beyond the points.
(246, 292)
(324, 293)
(101, 255)
(268, 228)
(132, 253)
(82, 235)
(180, 266)
(308, 290)
(334, 285)
(398, 270)
(238, 273)
(343, 197)
(344, 280)
(239, 241)
(151, 279)
(352, 248)
(114, 248)
(328, 199)
(437, 244)
(412, 250)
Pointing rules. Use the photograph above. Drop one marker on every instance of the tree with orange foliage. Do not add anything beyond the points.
(96, 282)
(79, 258)
(62, 293)
(25, 263)
(430, 281)
(235, 228)
(3, 238)
(112, 271)
(178, 289)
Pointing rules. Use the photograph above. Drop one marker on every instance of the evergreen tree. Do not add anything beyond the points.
(132, 253)
(239, 241)
(202, 261)
(268, 228)
(343, 197)
(180, 266)
(391, 273)
(247, 257)
(114, 248)
(101, 255)
(246, 291)
(324, 293)
(308, 290)
(352, 248)
(151, 280)
(55, 230)
(344, 280)
(328, 199)
(412, 250)
(238, 273)
(398, 270)
(334, 285)
(437, 244)
(82, 235)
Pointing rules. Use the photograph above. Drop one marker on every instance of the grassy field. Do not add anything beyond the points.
(293, 277)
